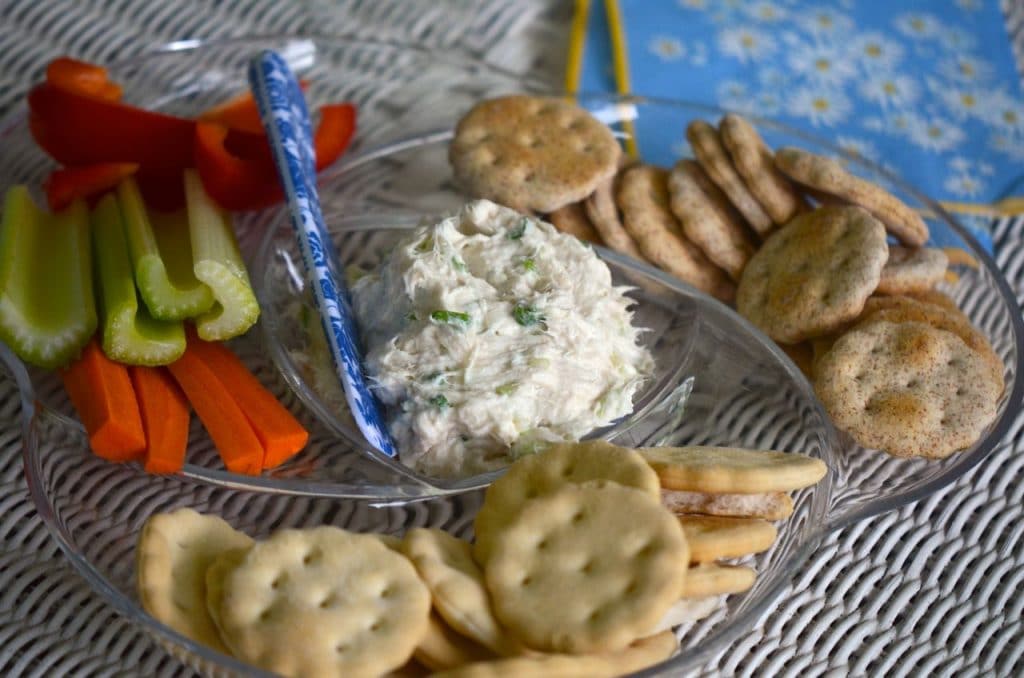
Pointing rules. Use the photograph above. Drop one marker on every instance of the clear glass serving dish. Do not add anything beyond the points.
(719, 380)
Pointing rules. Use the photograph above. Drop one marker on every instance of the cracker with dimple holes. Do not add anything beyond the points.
(547, 471)
(215, 574)
(560, 584)
(573, 220)
(604, 216)
(532, 153)
(707, 220)
(905, 308)
(442, 648)
(172, 556)
(912, 270)
(712, 538)
(324, 602)
(766, 505)
(456, 583)
(643, 198)
(710, 579)
(638, 656)
(814, 274)
(755, 164)
(701, 468)
(907, 388)
(687, 610)
(828, 176)
(713, 158)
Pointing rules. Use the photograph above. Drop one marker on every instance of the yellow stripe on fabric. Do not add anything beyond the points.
(577, 39)
(620, 63)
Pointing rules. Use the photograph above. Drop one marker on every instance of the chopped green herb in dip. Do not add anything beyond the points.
(530, 352)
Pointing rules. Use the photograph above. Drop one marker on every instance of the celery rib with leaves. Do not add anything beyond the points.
(47, 311)
(130, 334)
(161, 250)
(218, 262)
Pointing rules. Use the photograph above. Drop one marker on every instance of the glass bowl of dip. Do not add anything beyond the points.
(718, 380)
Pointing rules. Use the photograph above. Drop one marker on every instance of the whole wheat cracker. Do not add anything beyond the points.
(532, 153)
(643, 198)
(706, 220)
(814, 274)
(907, 388)
(604, 216)
(712, 156)
(912, 270)
(754, 162)
(828, 176)
(573, 220)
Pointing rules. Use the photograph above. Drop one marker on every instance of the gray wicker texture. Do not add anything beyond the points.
(936, 588)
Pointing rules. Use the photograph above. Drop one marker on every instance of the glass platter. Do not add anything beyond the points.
(719, 380)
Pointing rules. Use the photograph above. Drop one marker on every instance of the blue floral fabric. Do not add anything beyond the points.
(928, 89)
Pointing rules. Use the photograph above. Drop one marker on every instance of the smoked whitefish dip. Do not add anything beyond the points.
(490, 334)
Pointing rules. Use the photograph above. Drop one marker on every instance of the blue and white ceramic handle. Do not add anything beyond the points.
(286, 120)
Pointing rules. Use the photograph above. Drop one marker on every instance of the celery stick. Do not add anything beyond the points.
(162, 255)
(47, 312)
(130, 334)
(217, 261)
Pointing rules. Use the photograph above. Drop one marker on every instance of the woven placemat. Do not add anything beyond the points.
(934, 588)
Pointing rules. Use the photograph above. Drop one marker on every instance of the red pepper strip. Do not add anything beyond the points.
(240, 113)
(333, 134)
(235, 182)
(82, 77)
(66, 185)
(162, 190)
(82, 130)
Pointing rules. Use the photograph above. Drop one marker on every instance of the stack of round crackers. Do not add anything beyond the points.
(809, 252)
(578, 569)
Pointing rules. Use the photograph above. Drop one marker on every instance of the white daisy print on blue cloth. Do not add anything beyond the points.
(824, 23)
(766, 12)
(962, 102)
(933, 133)
(965, 68)
(822, 107)
(858, 147)
(1005, 113)
(821, 62)
(970, 5)
(666, 48)
(890, 90)
(746, 44)
(873, 50)
(918, 25)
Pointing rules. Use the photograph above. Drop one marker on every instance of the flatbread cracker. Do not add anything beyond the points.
(712, 156)
(710, 579)
(724, 470)
(707, 219)
(769, 505)
(912, 270)
(215, 573)
(814, 274)
(442, 648)
(687, 610)
(560, 585)
(604, 216)
(907, 388)
(828, 176)
(573, 220)
(755, 164)
(712, 538)
(172, 556)
(532, 153)
(643, 198)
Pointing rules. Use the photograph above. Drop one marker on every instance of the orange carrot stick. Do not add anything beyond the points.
(224, 420)
(278, 431)
(165, 415)
(102, 394)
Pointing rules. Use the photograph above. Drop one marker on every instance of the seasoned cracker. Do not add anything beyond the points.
(802, 355)
(714, 159)
(604, 216)
(687, 610)
(935, 297)
(539, 474)
(456, 583)
(442, 649)
(710, 579)
(561, 585)
(725, 470)
(643, 198)
(638, 656)
(215, 573)
(172, 556)
(532, 153)
(573, 220)
(353, 606)
(828, 176)
(912, 270)
(768, 505)
(814, 274)
(755, 164)
(707, 218)
(712, 538)
(907, 388)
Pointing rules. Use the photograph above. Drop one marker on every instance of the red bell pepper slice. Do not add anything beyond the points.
(76, 129)
(235, 181)
(82, 77)
(66, 185)
(333, 134)
(240, 113)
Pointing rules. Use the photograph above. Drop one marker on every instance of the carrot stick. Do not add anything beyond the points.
(165, 416)
(224, 420)
(102, 394)
(278, 431)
